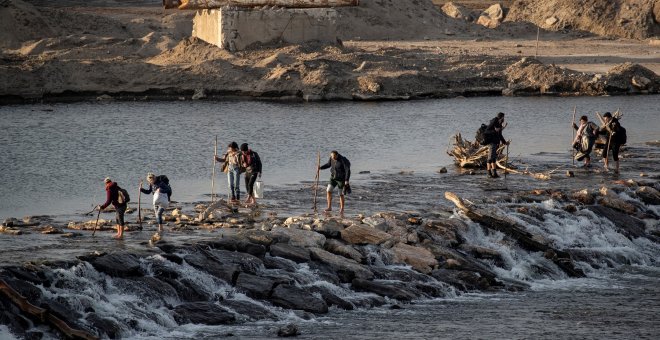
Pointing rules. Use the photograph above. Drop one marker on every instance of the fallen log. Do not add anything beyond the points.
(517, 232)
(210, 4)
(42, 314)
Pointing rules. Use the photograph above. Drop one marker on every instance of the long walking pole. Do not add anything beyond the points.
(573, 129)
(506, 162)
(97, 222)
(139, 217)
(316, 179)
(215, 154)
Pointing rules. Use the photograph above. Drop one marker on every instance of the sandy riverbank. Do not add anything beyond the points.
(144, 52)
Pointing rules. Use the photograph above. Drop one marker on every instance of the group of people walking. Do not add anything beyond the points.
(243, 160)
(584, 141)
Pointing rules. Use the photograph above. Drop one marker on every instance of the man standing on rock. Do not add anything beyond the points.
(494, 133)
(252, 165)
(113, 197)
(340, 174)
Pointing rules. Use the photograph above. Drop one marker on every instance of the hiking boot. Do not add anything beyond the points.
(490, 174)
(495, 175)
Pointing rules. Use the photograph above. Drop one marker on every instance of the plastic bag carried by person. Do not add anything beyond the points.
(259, 189)
(161, 199)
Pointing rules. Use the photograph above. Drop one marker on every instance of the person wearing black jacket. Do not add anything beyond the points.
(340, 174)
(494, 133)
(252, 165)
(615, 138)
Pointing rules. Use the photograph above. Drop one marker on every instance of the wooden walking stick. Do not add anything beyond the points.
(97, 222)
(573, 129)
(506, 162)
(139, 217)
(316, 179)
(215, 154)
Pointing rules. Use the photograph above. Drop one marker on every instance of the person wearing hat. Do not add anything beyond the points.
(615, 135)
(160, 187)
(252, 164)
(112, 197)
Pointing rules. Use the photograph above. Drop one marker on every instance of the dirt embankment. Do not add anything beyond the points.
(416, 51)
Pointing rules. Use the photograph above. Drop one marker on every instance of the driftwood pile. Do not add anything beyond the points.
(469, 154)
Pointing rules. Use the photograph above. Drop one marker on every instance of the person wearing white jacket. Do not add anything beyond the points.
(160, 187)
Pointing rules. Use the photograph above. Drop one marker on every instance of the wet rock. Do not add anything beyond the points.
(443, 232)
(463, 280)
(287, 251)
(368, 301)
(345, 268)
(279, 263)
(618, 204)
(292, 297)
(417, 257)
(188, 290)
(329, 228)
(377, 223)
(63, 312)
(300, 238)
(484, 253)
(629, 226)
(261, 237)
(382, 288)
(570, 208)
(224, 271)
(240, 244)
(255, 286)
(339, 248)
(363, 234)
(26, 274)
(105, 327)
(50, 230)
(206, 313)
(584, 196)
(288, 331)
(151, 289)
(117, 264)
(648, 195)
(399, 274)
(245, 262)
(11, 222)
(26, 289)
(331, 298)
(71, 235)
(442, 170)
(249, 309)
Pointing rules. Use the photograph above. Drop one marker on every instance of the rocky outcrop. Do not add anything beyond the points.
(417, 257)
(492, 16)
(292, 297)
(206, 313)
(345, 268)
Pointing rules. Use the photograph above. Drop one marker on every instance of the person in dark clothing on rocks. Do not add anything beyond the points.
(616, 136)
(584, 140)
(112, 197)
(160, 187)
(340, 174)
(252, 165)
(494, 133)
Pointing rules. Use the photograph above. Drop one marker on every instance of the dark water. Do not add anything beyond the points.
(55, 157)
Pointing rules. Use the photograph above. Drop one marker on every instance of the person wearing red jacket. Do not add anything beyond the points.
(112, 197)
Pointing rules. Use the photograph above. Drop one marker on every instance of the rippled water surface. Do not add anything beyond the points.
(55, 157)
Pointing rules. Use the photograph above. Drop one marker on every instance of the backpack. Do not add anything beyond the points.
(621, 136)
(482, 135)
(590, 131)
(122, 196)
(165, 185)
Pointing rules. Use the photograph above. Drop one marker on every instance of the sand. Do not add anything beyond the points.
(391, 50)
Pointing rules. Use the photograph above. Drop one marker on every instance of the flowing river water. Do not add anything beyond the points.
(55, 158)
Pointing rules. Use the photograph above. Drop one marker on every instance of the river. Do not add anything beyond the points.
(55, 158)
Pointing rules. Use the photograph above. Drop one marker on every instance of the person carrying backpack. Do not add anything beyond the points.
(494, 137)
(584, 140)
(117, 197)
(160, 187)
(252, 165)
(340, 174)
(616, 136)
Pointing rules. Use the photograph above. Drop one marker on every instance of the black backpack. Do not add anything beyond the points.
(166, 181)
(122, 196)
(621, 136)
(482, 135)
